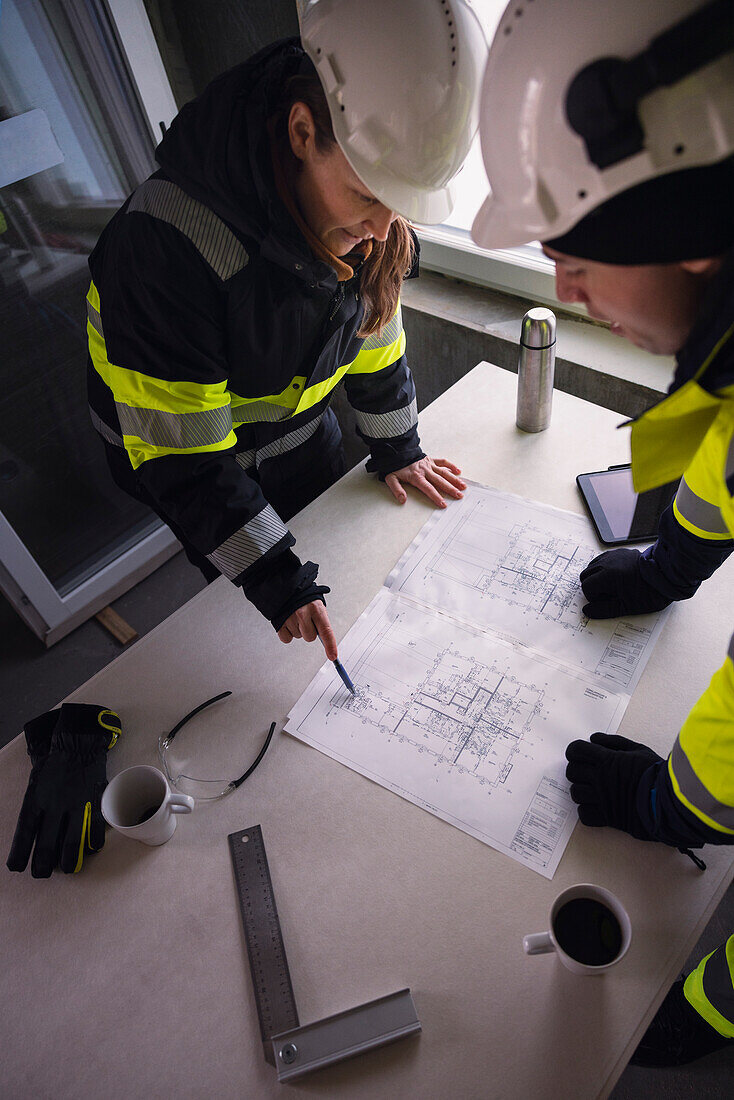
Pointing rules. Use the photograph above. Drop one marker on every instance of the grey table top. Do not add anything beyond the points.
(131, 978)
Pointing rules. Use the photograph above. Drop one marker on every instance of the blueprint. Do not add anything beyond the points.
(513, 567)
(474, 668)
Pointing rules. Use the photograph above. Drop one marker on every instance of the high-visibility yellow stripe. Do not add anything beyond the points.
(694, 809)
(143, 391)
(139, 451)
(287, 399)
(115, 729)
(712, 536)
(313, 394)
(86, 835)
(703, 777)
(369, 362)
(703, 503)
(694, 992)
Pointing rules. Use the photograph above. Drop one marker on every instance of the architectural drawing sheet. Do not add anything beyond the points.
(512, 566)
(474, 668)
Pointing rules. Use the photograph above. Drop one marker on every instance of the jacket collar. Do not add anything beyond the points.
(708, 354)
(667, 436)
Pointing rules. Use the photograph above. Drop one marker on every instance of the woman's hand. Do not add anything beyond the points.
(310, 622)
(433, 476)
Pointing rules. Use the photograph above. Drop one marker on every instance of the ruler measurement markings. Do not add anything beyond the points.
(274, 998)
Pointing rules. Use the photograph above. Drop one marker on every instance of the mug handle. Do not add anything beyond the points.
(539, 943)
(180, 803)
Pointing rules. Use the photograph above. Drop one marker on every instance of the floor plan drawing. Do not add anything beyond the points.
(474, 668)
(459, 722)
(513, 566)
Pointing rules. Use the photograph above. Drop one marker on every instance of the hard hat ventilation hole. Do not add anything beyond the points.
(581, 194)
(679, 149)
(508, 30)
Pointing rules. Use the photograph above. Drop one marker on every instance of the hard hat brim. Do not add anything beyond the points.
(414, 203)
(493, 228)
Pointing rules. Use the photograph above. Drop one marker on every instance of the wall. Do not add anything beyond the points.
(198, 41)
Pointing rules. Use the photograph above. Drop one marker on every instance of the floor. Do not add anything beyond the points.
(33, 679)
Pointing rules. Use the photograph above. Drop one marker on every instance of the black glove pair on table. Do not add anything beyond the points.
(61, 813)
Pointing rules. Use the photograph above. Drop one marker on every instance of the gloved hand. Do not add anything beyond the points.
(618, 582)
(61, 809)
(605, 775)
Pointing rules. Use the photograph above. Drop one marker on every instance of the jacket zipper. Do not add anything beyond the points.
(338, 298)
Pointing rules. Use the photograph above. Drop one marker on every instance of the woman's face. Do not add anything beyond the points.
(333, 201)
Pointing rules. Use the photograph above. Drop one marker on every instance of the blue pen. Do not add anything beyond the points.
(342, 673)
(345, 679)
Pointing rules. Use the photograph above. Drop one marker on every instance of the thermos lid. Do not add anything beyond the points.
(538, 328)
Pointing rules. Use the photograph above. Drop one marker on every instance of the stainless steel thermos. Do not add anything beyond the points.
(535, 369)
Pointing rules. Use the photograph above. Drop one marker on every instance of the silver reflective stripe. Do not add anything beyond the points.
(288, 442)
(694, 790)
(208, 233)
(164, 429)
(245, 546)
(730, 460)
(254, 458)
(388, 335)
(730, 651)
(387, 425)
(104, 431)
(94, 318)
(246, 459)
(705, 516)
(259, 412)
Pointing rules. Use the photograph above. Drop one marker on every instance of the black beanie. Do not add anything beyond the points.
(687, 215)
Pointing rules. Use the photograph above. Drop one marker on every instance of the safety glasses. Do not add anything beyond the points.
(202, 790)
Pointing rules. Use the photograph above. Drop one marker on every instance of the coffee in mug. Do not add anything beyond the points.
(589, 930)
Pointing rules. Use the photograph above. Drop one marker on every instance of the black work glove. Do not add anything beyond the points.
(621, 582)
(61, 812)
(605, 775)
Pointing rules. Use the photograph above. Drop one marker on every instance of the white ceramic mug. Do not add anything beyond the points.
(139, 803)
(540, 943)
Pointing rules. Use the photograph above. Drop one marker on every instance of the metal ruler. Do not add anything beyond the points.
(296, 1050)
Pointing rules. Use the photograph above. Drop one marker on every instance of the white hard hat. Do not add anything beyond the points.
(402, 81)
(583, 100)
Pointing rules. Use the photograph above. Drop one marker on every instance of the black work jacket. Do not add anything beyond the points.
(217, 338)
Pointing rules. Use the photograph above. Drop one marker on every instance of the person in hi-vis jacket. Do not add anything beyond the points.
(254, 272)
(614, 147)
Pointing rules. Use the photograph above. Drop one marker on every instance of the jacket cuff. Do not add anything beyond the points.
(279, 585)
(679, 561)
(385, 457)
(666, 818)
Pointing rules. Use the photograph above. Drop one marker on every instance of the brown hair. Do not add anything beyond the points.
(389, 261)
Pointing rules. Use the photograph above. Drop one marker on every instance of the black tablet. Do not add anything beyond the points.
(618, 513)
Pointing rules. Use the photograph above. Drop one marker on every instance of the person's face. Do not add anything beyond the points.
(333, 201)
(652, 305)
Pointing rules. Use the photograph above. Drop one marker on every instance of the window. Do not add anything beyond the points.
(449, 248)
